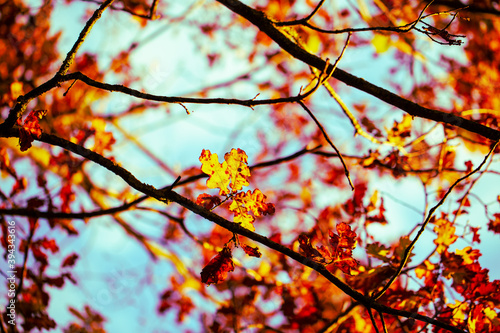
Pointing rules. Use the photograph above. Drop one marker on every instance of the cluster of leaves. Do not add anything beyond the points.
(435, 143)
(340, 255)
(230, 177)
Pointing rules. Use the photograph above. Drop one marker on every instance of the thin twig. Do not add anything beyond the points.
(384, 327)
(325, 135)
(70, 57)
(408, 250)
(231, 226)
(372, 318)
(305, 22)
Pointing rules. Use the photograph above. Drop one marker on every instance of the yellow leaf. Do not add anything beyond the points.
(468, 254)
(381, 43)
(237, 161)
(16, 89)
(313, 43)
(446, 234)
(219, 174)
(246, 221)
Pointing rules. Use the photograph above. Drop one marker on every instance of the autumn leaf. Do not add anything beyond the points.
(237, 161)
(208, 201)
(494, 224)
(251, 251)
(219, 173)
(379, 251)
(70, 260)
(246, 220)
(400, 130)
(446, 234)
(233, 172)
(308, 250)
(254, 202)
(468, 254)
(216, 270)
(30, 128)
(342, 246)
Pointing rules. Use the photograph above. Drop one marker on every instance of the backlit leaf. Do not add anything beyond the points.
(219, 173)
(216, 270)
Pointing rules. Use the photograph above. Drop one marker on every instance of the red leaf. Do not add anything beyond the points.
(308, 250)
(208, 201)
(216, 270)
(49, 245)
(30, 129)
(359, 193)
(475, 233)
(251, 251)
(70, 260)
(342, 245)
(494, 225)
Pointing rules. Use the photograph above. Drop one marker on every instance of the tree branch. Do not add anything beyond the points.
(263, 23)
(169, 195)
(410, 247)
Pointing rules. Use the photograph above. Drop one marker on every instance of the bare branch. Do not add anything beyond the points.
(346, 171)
(83, 34)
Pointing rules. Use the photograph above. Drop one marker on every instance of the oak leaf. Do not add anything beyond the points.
(30, 128)
(308, 250)
(208, 201)
(342, 246)
(219, 173)
(237, 163)
(446, 234)
(216, 270)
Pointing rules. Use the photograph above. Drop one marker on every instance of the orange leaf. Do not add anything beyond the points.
(342, 245)
(255, 202)
(208, 201)
(216, 270)
(251, 251)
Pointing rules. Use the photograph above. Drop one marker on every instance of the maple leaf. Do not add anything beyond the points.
(208, 201)
(251, 251)
(219, 173)
(216, 270)
(30, 128)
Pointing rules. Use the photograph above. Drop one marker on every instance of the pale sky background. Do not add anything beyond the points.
(171, 65)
